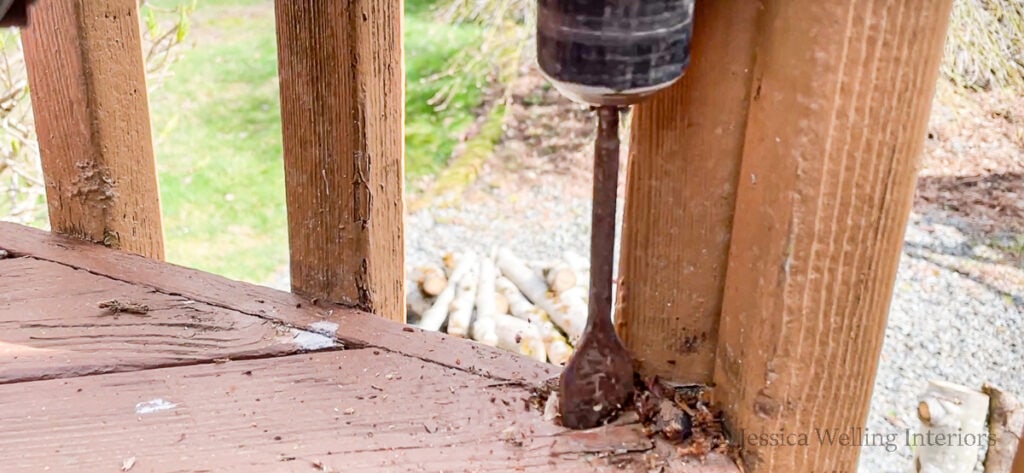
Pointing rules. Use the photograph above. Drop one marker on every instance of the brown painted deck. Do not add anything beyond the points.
(225, 376)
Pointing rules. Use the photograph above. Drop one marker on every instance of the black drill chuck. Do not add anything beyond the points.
(613, 52)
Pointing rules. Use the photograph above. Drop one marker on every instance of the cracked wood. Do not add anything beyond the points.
(356, 329)
(342, 118)
(89, 99)
(52, 325)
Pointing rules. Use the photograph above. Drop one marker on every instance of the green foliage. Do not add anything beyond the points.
(465, 167)
(218, 133)
(506, 46)
(431, 128)
(22, 196)
(218, 144)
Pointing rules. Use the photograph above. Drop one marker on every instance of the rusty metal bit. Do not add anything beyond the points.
(597, 382)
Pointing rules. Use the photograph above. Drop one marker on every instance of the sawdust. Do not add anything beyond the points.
(680, 415)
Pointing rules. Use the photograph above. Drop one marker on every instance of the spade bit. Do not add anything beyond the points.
(598, 379)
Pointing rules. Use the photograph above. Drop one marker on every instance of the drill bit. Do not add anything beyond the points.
(598, 380)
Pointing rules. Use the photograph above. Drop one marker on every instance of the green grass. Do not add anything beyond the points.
(217, 128)
(218, 134)
(430, 135)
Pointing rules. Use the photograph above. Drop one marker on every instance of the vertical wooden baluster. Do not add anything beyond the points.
(342, 114)
(89, 99)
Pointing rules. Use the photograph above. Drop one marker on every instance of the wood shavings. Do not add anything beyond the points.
(115, 307)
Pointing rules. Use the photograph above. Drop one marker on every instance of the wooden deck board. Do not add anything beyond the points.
(85, 390)
(351, 410)
(51, 326)
(355, 328)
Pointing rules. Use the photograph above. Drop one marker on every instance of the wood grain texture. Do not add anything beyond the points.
(686, 147)
(356, 329)
(342, 105)
(89, 99)
(352, 411)
(842, 94)
(51, 326)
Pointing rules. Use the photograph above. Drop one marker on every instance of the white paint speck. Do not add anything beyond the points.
(324, 327)
(311, 341)
(156, 405)
(319, 336)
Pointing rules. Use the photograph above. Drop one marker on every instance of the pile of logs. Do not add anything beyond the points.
(537, 309)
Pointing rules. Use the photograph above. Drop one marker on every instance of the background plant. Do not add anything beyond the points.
(164, 26)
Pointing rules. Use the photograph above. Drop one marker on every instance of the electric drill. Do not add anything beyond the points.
(609, 54)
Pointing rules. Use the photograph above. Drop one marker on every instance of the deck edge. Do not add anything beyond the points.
(354, 329)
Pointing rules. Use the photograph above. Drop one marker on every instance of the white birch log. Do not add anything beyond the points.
(485, 304)
(538, 265)
(460, 313)
(576, 261)
(579, 264)
(953, 428)
(500, 303)
(558, 349)
(434, 317)
(536, 290)
(572, 308)
(1005, 427)
(512, 334)
(560, 277)
(431, 280)
(484, 331)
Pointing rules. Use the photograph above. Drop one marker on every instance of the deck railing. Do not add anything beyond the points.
(767, 192)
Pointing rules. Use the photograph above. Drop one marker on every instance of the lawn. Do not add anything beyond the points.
(217, 129)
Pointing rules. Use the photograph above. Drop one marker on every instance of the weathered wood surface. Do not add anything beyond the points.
(842, 94)
(685, 150)
(51, 326)
(355, 328)
(342, 111)
(89, 99)
(408, 401)
(352, 410)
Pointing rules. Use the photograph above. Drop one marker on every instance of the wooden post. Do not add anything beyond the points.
(89, 99)
(686, 148)
(342, 115)
(842, 94)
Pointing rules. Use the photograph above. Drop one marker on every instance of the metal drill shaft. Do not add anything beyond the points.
(596, 383)
(602, 237)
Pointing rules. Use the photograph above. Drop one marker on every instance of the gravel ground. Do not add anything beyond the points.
(943, 324)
